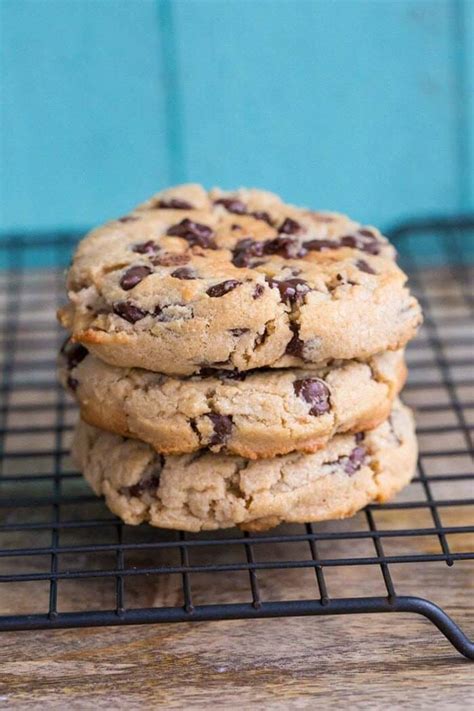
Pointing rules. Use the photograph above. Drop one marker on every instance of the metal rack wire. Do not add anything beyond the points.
(59, 543)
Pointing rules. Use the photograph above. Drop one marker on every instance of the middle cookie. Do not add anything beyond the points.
(256, 414)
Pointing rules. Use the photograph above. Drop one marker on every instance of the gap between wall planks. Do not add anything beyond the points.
(356, 105)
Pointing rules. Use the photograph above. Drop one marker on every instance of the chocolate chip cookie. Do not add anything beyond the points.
(205, 491)
(253, 414)
(235, 281)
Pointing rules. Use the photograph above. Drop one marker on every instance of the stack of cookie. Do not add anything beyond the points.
(237, 361)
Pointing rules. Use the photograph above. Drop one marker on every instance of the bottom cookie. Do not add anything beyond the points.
(205, 491)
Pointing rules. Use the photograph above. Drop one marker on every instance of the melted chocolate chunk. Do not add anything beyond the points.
(245, 250)
(170, 260)
(365, 267)
(291, 290)
(285, 247)
(222, 428)
(175, 204)
(232, 205)
(144, 485)
(74, 353)
(149, 247)
(354, 461)
(134, 276)
(262, 215)
(194, 232)
(258, 291)
(232, 375)
(128, 218)
(223, 288)
(289, 227)
(72, 383)
(315, 392)
(365, 240)
(183, 273)
(128, 311)
(319, 245)
(296, 345)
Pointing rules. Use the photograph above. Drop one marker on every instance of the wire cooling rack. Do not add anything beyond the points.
(65, 561)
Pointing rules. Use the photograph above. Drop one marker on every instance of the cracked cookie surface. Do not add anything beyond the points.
(256, 414)
(239, 281)
(206, 491)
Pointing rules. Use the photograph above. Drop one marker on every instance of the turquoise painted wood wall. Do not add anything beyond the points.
(364, 106)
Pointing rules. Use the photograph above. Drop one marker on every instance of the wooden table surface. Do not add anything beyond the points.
(374, 661)
(384, 661)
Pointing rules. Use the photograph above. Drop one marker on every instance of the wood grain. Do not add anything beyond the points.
(374, 662)
(385, 661)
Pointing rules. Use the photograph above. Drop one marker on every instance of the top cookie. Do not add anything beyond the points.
(192, 279)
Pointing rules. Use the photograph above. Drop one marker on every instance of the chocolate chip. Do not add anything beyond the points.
(319, 245)
(149, 247)
(134, 276)
(222, 428)
(262, 215)
(285, 247)
(232, 205)
(364, 267)
(175, 204)
(129, 311)
(128, 218)
(223, 288)
(74, 353)
(183, 273)
(291, 290)
(170, 260)
(239, 331)
(245, 250)
(194, 232)
(364, 240)
(258, 291)
(315, 392)
(289, 227)
(232, 375)
(149, 484)
(295, 345)
(355, 459)
(342, 280)
(349, 241)
(72, 383)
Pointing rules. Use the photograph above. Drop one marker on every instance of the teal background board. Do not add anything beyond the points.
(363, 106)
